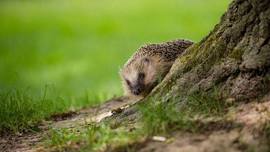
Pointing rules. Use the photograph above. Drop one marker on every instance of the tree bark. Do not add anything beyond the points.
(233, 62)
(233, 59)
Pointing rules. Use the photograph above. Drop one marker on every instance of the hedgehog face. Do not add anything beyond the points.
(140, 77)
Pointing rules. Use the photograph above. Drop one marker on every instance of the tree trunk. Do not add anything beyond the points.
(233, 62)
(233, 59)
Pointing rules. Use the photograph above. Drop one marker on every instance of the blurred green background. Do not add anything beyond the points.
(78, 46)
(61, 55)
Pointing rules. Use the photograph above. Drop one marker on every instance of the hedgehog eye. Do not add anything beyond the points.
(128, 82)
(146, 60)
(141, 76)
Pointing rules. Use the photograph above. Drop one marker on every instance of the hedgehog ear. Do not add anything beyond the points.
(146, 61)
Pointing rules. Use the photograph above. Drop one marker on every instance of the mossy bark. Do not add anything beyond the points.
(234, 58)
(232, 64)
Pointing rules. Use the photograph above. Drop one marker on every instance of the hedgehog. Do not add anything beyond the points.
(149, 65)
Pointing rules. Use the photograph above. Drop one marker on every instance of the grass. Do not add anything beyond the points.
(92, 138)
(21, 111)
(158, 118)
(165, 117)
(78, 47)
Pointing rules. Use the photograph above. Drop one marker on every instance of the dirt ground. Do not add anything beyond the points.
(30, 142)
(240, 132)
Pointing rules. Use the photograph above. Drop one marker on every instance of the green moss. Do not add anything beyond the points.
(206, 54)
(236, 54)
(267, 132)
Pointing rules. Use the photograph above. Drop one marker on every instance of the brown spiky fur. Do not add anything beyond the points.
(149, 65)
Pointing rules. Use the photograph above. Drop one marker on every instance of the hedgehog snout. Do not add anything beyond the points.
(137, 89)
